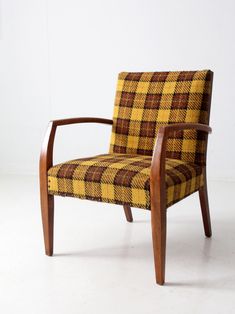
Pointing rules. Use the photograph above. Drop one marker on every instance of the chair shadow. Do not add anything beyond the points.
(213, 284)
(143, 221)
(212, 254)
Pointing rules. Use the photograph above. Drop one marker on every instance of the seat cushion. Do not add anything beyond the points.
(121, 179)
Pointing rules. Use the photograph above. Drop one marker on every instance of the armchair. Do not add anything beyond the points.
(157, 153)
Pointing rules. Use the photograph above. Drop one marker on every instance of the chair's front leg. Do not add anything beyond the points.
(158, 222)
(158, 205)
(47, 209)
(203, 195)
(47, 201)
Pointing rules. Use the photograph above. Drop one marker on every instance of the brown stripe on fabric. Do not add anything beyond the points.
(124, 177)
(186, 75)
(122, 126)
(174, 178)
(94, 173)
(133, 76)
(152, 101)
(146, 152)
(147, 128)
(159, 76)
(66, 171)
(180, 100)
(127, 99)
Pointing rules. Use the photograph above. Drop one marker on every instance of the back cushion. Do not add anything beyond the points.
(147, 100)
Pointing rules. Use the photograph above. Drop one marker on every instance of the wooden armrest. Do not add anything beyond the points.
(46, 157)
(157, 173)
(166, 130)
(163, 134)
(81, 120)
(170, 128)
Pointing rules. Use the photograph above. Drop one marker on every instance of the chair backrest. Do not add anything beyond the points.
(147, 100)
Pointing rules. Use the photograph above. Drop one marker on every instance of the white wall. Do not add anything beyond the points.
(60, 58)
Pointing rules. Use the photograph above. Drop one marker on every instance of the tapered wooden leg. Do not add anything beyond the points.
(47, 207)
(128, 213)
(47, 201)
(158, 221)
(203, 195)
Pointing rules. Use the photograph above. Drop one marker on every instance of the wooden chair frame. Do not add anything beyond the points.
(157, 188)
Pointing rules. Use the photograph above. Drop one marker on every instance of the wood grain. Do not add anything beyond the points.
(46, 162)
(158, 193)
(128, 213)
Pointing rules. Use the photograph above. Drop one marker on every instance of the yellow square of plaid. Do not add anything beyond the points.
(197, 86)
(116, 111)
(189, 146)
(170, 194)
(163, 115)
(120, 85)
(132, 141)
(113, 139)
(107, 191)
(142, 87)
(192, 116)
(79, 187)
(182, 190)
(138, 196)
(169, 88)
(117, 165)
(137, 114)
(53, 184)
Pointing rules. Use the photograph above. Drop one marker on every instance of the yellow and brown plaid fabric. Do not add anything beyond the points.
(144, 102)
(122, 179)
(147, 100)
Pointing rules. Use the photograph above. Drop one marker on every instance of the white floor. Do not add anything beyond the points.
(102, 264)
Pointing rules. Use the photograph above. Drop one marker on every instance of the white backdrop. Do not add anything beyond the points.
(60, 58)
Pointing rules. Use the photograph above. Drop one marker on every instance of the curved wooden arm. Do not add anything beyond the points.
(158, 194)
(46, 157)
(157, 173)
(46, 161)
(170, 128)
(159, 152)
(81, 120)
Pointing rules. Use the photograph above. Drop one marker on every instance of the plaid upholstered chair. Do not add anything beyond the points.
(157, 153)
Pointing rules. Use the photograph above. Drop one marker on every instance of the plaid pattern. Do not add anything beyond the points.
(147, 100)
(122, 179)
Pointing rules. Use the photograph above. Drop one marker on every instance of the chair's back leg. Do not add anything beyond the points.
(47, 208)
(203, 195)
(128, 213)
